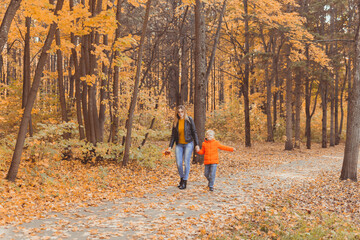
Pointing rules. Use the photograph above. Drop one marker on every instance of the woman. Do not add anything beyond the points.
(185, 135)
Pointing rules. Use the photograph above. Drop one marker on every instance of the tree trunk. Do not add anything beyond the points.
(270, 132)
(84, 95)
(115, 103)
(245, 86)
(289, 133)
(78, 93)
(298, 90)
(11, 176)
(6, 22)
(324, 91)
(103, 93)
(351, 154)
(136, 85)
(221, 85)
(200, 76)
(216, 40)
(277, 85)
(332, 115)
(173, 85)
(336, 102)
(61, 77)
(307, 100)
(348, 69)
(27, 70)
(184, 91)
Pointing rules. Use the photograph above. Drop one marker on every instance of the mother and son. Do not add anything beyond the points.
(185, 136)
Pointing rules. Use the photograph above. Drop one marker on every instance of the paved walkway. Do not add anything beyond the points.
(171, 213)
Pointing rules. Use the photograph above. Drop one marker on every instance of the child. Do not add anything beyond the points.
(210, 148)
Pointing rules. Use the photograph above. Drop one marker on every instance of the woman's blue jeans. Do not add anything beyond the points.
(210, 172)
(183, 154)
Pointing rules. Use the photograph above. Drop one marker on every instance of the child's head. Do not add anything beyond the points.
(210, 134)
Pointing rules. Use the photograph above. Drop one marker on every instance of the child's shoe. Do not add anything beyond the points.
(211, 189)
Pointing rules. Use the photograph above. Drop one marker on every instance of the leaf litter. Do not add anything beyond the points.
(74, 200)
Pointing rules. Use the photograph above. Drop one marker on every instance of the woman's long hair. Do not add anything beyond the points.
(176, 119)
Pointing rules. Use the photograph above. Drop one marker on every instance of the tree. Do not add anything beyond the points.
(27, 69)
(136, 86)
(289, 134)
(245, 84)
(200, 73)
(14, 167)
(351, 154)
(6, 22)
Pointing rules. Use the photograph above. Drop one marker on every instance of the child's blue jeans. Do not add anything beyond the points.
(183, 153)
(210, 172)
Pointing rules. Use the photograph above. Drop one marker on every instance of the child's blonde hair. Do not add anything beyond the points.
(210, 133)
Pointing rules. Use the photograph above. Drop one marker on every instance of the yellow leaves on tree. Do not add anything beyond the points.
(40, 11)
(89, 79)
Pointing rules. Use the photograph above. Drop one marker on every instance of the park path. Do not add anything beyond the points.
(170, 213)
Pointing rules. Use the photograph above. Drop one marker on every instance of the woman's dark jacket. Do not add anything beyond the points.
(190, 133)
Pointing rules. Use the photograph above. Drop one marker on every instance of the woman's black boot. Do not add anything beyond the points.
(183, 186)
(181, 182)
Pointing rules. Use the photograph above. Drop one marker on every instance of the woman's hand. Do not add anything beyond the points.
(167, 152)
(197, 148)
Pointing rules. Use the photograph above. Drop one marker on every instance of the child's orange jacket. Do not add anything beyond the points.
(210, 148)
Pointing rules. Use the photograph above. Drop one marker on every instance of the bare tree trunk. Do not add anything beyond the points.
(308, 90)
(2, 76)
(71, 78)
(200, 76)
(245, 86)
(136, 85)
(115, 103)
(99, 116)
(61, 77)
(184, 90)
(191, 79)
(78, 94)
(270, 132)
(184, 71)
(324, 90)
(351, 154)
(289, 133)
(84, 95)
(336, 102)
(11, 176)
(216, 40)
(6, 22)
(332, 116)
(103, 94)
(277, 85)
(298, 90)
(348, 69)
(27, 70)
(173, 85)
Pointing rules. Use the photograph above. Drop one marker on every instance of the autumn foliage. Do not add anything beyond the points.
(282, 72)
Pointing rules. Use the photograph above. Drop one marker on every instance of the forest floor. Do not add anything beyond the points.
(254, 186)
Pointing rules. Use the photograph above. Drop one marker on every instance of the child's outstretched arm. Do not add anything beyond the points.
(226, 148)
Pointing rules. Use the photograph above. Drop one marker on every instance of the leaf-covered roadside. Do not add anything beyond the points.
(322, 208)
(54, 185)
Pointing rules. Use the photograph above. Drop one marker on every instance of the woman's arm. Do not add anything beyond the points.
(194, 132)
(172, 139)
